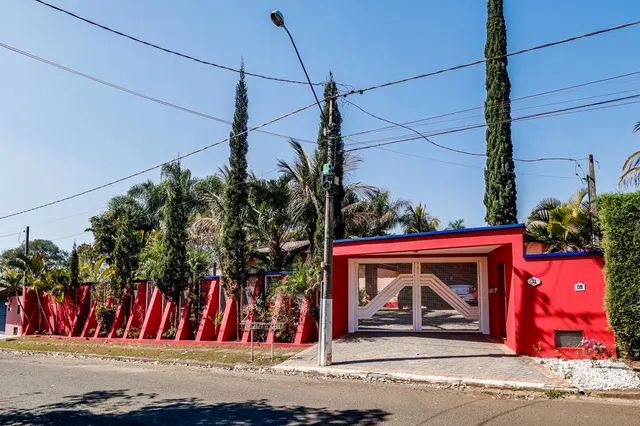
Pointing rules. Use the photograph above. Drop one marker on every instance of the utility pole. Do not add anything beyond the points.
(328, 183)
(326, 291)
(591, 188)
(26, 242)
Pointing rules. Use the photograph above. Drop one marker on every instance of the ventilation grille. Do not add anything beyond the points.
(568, 338)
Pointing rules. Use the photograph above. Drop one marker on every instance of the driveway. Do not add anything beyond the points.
(440, 358)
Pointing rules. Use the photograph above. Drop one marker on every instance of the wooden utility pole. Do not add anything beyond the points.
(26, 242)
(591, 188)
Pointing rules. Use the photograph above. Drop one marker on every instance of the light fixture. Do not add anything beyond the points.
(277, 18)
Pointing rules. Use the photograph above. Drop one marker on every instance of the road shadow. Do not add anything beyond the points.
(121, 407)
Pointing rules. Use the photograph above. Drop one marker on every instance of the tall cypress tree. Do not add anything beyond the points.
(234, 237)
(499, 174)
(330, 89)
(74, 269)
(175, 266)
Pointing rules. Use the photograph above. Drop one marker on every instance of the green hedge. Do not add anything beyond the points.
(620, 222)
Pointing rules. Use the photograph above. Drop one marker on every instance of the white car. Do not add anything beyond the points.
(466, 292)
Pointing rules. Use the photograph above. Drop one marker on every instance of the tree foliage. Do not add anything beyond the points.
(631, 168)
(620, 224)
(334, 134)
(174, 273)
(234, 237)
(74, 268)
(500, 178)
(418, 219)
(53, 255)
(561, 226)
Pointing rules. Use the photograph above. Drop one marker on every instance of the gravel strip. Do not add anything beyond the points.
(596, 375)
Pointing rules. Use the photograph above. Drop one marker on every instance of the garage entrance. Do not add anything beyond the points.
(414, 295)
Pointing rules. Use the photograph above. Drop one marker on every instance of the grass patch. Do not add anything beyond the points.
(225, 355)
(554, 394)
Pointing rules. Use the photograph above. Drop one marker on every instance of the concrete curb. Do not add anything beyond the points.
(434, 380)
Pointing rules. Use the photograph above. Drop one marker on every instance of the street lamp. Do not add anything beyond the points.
(328, 183)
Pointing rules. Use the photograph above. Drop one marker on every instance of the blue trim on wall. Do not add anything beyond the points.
(563, 254)
(431, 233)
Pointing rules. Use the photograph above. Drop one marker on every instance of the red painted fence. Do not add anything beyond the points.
(146, 315)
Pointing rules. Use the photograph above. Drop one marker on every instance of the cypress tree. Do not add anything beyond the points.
(330, 89)
(175, 268)
(125, 253)
(74, 269)
(499, 174)
(234, 237)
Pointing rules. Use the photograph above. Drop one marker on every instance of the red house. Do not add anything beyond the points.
(472, 280)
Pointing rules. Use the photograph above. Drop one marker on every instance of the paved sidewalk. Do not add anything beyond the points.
(436, 358)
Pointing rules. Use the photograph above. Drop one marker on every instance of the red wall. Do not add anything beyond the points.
(555, 305)
(340, 296)
(532, 313)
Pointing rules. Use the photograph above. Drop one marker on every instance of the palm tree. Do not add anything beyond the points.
(418, 219)
(561, 226)
(305, 203)
(270, 226)
(631, 167)
(456, 224)
(33, 272)
(206, 221)
(375, 215)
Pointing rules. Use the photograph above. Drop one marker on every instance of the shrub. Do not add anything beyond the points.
(105, 314)
(620, 223)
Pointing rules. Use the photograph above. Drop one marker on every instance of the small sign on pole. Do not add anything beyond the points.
(264, 326)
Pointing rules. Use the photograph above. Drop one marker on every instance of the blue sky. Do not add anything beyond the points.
(60, 134)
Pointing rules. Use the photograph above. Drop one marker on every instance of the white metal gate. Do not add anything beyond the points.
(434, 294)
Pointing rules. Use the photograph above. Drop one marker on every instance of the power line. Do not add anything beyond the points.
(167, 50)
(11, 235)
(459, 151)
(66, 237)
(575, 109)
(470, 166)
(133, 92)
(157, 166)
(534, 95)
(482, 61)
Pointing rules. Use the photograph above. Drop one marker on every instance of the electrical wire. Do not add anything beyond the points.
(429, 120)
(167, 50)
(157, 166)
(575, 109)
(470, 166)
(459, 151)
(535, 95)
(344, 95)
(134, 92)
(11, 235)
(66, 237)
(493, 58)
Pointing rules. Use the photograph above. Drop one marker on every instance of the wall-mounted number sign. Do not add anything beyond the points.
(580, 287)
(534, 281)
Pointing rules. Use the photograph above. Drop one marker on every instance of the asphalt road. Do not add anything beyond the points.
(39, 389)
